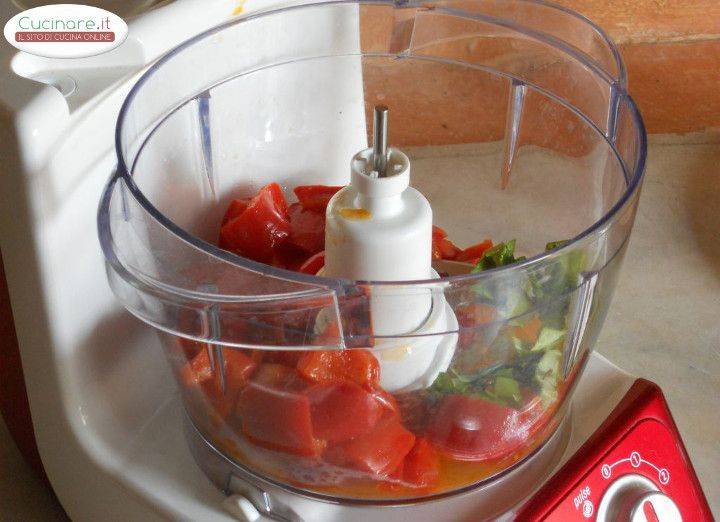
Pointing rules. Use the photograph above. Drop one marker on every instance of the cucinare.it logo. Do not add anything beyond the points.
(66, 31)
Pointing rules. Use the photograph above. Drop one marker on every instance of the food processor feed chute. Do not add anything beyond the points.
(379, 228)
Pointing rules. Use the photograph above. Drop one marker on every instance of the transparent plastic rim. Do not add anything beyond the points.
(633, 175)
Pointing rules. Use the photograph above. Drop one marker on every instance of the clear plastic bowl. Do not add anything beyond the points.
(517, 122)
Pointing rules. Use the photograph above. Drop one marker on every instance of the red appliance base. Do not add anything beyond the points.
(634, 467)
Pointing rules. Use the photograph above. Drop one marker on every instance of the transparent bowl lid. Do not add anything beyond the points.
(515, 116)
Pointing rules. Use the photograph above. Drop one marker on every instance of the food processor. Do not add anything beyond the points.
(394, 381)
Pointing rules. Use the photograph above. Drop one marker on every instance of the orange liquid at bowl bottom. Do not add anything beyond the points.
(328, 480)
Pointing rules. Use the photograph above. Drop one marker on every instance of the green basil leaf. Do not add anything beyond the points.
(507, 389)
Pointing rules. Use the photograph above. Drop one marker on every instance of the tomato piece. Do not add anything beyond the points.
(378, 452)
(329, 366)
(288, 358)
(443, 248)
(421, 467)
(315, 197)
(199, 373)
(263, 226)
(472, 254)
(237, 207)
(238, 368)
(307, 229)
(468, 428)
(438, 233)
(279, 376)
(275, 193)
(197, 370)
(288, 256)
(313, 264)
(342, 411)
(387, 402)
(276, 417)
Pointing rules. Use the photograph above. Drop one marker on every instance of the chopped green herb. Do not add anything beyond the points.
(547, 374)
(507, 390)
(502, 254)
(547, 339)
(450, 383)
(499, 383)
(552, 245)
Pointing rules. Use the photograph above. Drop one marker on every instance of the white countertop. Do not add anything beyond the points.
(664, 322)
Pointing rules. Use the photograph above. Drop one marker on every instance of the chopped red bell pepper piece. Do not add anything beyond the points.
(237, 207)
(279, 376)
(288, 256)
(263, 225)
(331, 366)
(438, 233)
(443, 248)
(472, 254)
(315, 197)
(238, 368)
(199, 372)
(388, 403)
(313, 264)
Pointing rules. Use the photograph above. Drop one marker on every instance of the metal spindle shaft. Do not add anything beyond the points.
(380, 131)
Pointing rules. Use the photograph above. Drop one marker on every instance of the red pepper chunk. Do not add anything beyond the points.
(307, 229)
(260, 229)
(378, 452)
(279, 376)
(438, 233)
(387, 401)
(276, 417)
(342, 411)
(313, 264)
(237, 207)
(421, 467)
(443, 248)
(315, 197)
(473, 253)
(238, 368)
(197, 370)
(331, 366)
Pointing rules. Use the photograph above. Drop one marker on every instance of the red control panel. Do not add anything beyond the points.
(633, 468)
